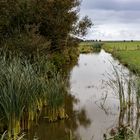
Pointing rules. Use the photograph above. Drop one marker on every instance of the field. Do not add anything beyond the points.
(121, 46)
(127, 52)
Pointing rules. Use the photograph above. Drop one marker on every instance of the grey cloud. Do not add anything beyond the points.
(103, 16)
(113, 19)
(111, 4)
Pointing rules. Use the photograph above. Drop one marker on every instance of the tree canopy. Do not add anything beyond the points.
(56, 20)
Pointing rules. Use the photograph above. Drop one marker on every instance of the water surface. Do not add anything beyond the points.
(92, 105)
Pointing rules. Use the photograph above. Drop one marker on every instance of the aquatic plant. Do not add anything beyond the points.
(127, 87)
(4, 136)
(56, 89)
(25, 89)
(19, 91)
(122, 133)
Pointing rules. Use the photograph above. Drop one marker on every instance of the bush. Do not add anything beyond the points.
(28, 44)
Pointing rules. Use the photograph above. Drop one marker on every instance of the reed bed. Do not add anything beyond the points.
(127, 88)
(25, 89)
(90, 47)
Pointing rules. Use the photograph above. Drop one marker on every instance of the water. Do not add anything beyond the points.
(89, 86)
(92, 105)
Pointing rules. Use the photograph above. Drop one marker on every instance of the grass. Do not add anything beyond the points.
(121, 46)
(127, 88)
(4, 136)
(89, 47)
(130, 59)
(124, 133)
(128, 53)
(25, 88)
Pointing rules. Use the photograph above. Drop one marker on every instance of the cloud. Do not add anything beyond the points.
(105, 16)
(115, 32)
(113, 19)
(116, 5)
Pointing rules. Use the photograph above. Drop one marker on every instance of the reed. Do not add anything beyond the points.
(4, 136)
(127, 88)
(25, 89)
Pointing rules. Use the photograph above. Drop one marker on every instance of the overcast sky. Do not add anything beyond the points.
(113, 19)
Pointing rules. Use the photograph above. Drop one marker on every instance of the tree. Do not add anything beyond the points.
(56, 20)
(59, 19)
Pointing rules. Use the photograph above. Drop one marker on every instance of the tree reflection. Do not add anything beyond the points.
(64, 129)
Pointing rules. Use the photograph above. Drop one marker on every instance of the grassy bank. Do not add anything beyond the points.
(25, 89)
(89, 47)
(128, 53)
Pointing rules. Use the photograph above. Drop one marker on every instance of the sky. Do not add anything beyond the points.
(113, 19)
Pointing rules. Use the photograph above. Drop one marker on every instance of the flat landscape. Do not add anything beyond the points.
(127, 52)
(69, 70)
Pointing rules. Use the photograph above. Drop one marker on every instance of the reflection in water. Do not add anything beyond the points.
(91, 105)
(127, 88)
(64, 129)
(88, 84)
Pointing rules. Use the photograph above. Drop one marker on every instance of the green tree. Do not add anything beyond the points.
(59, 19)
(56, 20)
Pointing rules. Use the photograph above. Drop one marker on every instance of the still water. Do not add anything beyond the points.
(92, 105)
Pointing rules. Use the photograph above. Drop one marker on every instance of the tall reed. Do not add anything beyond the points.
(24, 89)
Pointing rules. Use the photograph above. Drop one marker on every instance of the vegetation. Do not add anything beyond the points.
(4, 136)
(126, 88)
(37, 39)
(89, 47)
(123, 133)
(127, 52)
(121, 46)
(21, 18)
(25, 90)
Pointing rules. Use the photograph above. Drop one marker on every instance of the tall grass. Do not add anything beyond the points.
(127, 89)
(90, 47)
(25, 89)
(4, 136)
(20, 91)
(57, 89)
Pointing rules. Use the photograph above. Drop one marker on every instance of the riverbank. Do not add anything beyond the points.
(128, 53)
(89, 47)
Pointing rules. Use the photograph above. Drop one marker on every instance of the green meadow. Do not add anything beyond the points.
(121, 46)
(128, 53)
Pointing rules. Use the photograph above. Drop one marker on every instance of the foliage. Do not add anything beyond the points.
(27, 44)
(25, 89)
(53, 19)
(89, 47)
(37, 38)
(5, 137)
(123, 133)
